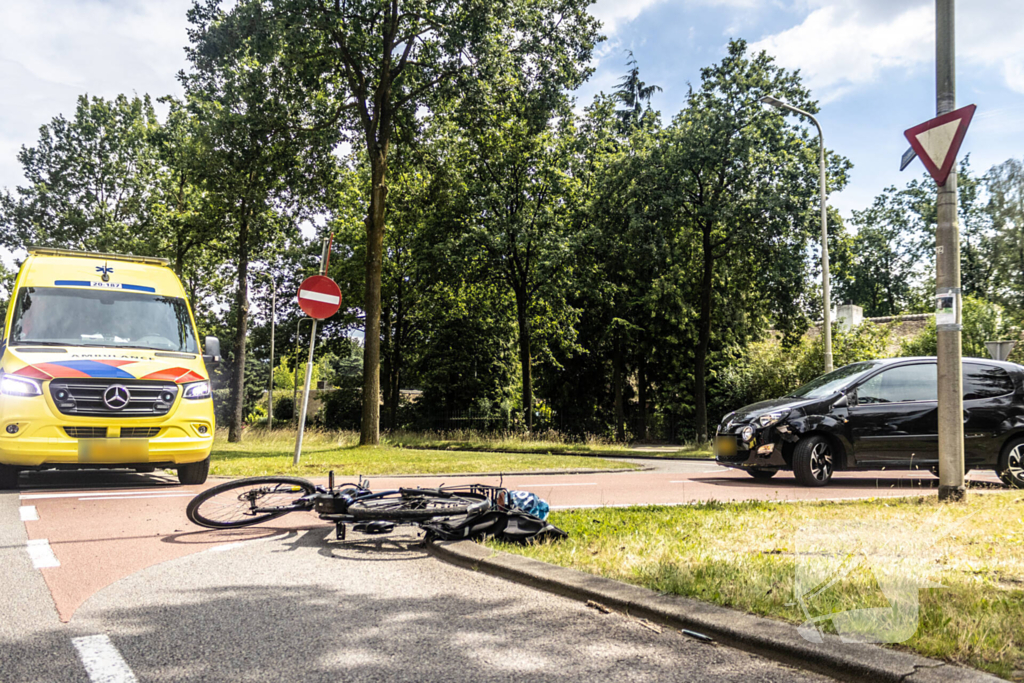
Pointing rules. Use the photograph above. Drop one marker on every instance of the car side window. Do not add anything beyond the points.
(985, 381)
(905, 383)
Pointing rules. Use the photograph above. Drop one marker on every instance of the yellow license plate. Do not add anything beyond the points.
(725, 445)
(112, 451)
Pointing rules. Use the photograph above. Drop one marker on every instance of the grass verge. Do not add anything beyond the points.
(263, 453)
(546, 442)
(771, 558)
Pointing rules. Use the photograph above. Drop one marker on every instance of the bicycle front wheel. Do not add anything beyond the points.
(249, 501)
(409, 506)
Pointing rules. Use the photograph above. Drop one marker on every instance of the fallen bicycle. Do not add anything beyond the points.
(471, 511)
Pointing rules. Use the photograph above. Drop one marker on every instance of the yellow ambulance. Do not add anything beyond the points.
(100, 367)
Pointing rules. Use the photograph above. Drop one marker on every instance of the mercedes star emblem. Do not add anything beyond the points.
(116, 396)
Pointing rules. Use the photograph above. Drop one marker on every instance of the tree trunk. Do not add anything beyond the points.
(641, 380)
(387, 360)
(242, 302)
(370, 433)
(703, 340)
(618, 373)
(524, 358)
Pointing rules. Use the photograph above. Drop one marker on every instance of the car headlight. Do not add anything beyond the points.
(747, 434)
(768, 419)
(197, 390)
(13, 385)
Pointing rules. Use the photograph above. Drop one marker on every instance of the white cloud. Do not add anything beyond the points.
(614, 13)
(52, 51)
(844, 44)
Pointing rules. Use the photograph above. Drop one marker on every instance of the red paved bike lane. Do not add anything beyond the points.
(101, 532)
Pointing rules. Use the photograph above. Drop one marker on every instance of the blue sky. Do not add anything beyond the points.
(869, 62)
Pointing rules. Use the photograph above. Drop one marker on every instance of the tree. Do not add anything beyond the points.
(93, 182)
(633, 94)
(259, 165)
(738, 181)
(370, 67)
(880, 273)
(1005, 186)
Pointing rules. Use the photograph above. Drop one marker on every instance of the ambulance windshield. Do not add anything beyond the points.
(102, 317)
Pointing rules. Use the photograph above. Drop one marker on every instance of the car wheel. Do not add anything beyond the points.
(1011, 464)
(8, 477)
(813, 462)
(761, 474)
(194, 472)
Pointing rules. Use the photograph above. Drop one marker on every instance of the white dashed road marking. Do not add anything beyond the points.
(102, 661)
(29, 513)
(41, 553)
(547, 486)
(94, 494)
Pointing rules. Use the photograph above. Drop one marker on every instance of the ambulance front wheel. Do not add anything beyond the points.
(9, 477)
(194, 472)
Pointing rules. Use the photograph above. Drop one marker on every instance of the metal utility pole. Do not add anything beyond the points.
(309, 366)
(273, 321)
(947, 279)
(825, 285)
(295, 370)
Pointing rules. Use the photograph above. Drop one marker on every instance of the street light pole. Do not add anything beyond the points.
(273, 322)
(947, 278)
(825, 287)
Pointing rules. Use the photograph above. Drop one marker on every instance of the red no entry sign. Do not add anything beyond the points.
(319, 297)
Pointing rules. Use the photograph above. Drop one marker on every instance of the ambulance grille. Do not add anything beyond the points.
(85, 397)
(86, 432)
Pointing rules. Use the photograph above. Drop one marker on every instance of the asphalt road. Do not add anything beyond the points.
(110, 558)
(302, 607)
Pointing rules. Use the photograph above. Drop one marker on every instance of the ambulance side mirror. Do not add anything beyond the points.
(212, 347)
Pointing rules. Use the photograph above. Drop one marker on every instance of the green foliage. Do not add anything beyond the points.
(982, 320)
(768, 369)
(342, 407)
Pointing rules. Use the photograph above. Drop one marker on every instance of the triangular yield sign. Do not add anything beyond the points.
(938, 141)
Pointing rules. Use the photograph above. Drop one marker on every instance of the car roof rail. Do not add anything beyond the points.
(53, 251)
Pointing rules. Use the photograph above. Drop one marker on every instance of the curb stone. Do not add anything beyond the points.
(768, 638)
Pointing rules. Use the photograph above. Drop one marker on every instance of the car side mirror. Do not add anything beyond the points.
(841, 402)
(212, 347)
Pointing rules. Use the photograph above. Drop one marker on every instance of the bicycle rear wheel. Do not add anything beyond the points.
(249, 501)
(410, 506)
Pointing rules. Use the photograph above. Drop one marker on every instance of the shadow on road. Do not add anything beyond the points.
(75, 480)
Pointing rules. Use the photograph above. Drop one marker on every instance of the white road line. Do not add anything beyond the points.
(29, 513)
(41, 553)
(102, 661)
(114, 492)
(550, 485)
(153, 495)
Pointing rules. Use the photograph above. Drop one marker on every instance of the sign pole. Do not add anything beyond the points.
(309, 366)
(948, 316)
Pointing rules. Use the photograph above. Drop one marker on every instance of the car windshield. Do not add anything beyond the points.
(102, 317)
(826, 385)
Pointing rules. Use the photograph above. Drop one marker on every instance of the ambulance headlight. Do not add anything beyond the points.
(197, 390)
(13, 385)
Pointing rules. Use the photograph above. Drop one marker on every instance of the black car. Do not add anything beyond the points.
(879, 414)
